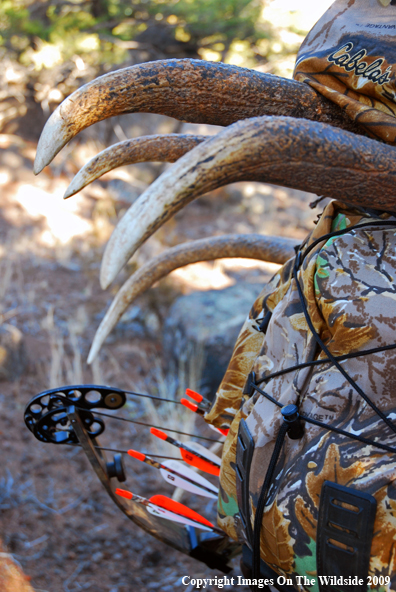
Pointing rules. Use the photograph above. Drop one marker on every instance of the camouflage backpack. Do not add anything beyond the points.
(348, 292)
(308, 469)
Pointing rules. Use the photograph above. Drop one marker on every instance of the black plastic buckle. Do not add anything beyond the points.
(263, 326)
(344, 535)
(250, 384)
(244, 454)
(292, 418)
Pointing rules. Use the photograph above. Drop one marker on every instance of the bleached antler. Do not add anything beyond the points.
(250, 246)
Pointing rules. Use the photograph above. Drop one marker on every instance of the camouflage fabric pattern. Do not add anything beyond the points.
(350, 57)
(350, 290)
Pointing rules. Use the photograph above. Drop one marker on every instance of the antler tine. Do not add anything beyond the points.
(158, 148)
(188, 90)
(293, 153)
(250, 246)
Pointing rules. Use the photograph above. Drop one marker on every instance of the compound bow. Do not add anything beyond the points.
(66, 415)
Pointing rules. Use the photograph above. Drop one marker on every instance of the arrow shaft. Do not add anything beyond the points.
(185, 478)
(199, 399)
(180, 509)
(187, 484)
(204, 452)
(202, 465)
(191, 456)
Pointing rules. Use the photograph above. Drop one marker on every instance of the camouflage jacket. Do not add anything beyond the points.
(350, 293)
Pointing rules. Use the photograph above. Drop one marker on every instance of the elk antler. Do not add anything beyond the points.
(294, 153)
(188, 90)
(158, 148)
(250, 246)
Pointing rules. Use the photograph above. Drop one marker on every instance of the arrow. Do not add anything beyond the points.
(202, 407)
(192, 407)
(192, 453)
(165, 507)
(177, 535)
(204, 403)
(179, 476)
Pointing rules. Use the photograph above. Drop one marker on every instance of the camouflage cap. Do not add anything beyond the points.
(349, 56)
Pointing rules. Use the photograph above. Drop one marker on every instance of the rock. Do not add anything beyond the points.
(135, 323)
(201, 330)
(12, 353)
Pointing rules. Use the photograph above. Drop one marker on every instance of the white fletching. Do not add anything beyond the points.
(187, 479)
(161, 513)
(195, 447)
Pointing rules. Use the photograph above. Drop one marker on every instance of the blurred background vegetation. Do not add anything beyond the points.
(50, 47)
(44, 33)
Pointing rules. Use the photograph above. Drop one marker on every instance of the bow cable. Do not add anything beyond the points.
(132, 393)
(126, 451)
(150, 425)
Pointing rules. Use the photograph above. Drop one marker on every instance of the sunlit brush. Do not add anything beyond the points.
(179, 475)
(165, 507)
(200, 408)
(193, 453)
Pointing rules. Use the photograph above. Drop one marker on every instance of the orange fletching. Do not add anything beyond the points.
(196, 396)
(169, 504)
(189, 405)
(223, 431)
(158, 433)
(124, 493)
(136, 454)
(201, 464)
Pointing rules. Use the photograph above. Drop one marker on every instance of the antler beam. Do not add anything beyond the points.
(188, 90)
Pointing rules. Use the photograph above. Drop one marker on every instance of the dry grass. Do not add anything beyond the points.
(65, 367)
